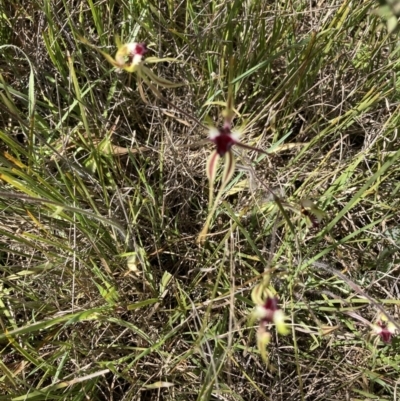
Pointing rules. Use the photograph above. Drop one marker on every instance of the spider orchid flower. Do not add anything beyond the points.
(312, 212)
(384, 329)
(267, 312)
(223, 138)
(130, 58)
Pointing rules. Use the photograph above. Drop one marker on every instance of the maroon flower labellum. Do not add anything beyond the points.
(269, 308)
(141, 49)
(385, 334)
(384, 328)
(223, 139)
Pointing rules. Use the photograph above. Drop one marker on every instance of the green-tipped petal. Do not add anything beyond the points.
(121, 57)
(385, 321)
(131, 68)
(261, 292)
(257, 295)
(110, 59)
(263, 339)
(208, 122)
(279, 320)
(313, 209)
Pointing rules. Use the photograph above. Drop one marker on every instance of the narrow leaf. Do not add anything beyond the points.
(31, 91)
(142, 304)
(263, 339)
(157, 385)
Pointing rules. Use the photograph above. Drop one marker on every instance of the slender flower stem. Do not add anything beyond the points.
(229, 168)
